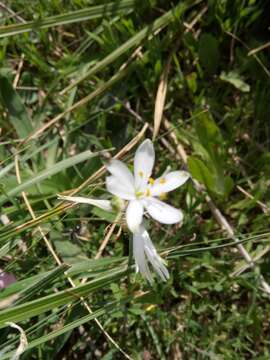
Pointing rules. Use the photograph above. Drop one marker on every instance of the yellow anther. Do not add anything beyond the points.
(141, 174)
(151, 181)
(147, 193)
(162, 180)
(163, 196)
(138, 194)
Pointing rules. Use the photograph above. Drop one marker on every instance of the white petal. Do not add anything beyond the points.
(162, 212)
(103, 204)
(115, 187)
(139, 255)
(169, 182)
(155, 259)
(134, 215)
(144, 251)
(120, 171)
(143, 164)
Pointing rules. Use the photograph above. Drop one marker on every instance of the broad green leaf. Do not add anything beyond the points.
(69, 251)
(206, 128)
(108, 216)
(209, 53)
(228, 185)
(235, 79)
(200, 172)
(12, 102)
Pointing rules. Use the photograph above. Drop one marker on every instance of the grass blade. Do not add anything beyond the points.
(132, 42)
(39, 306)
(56, 168)
(93, 12)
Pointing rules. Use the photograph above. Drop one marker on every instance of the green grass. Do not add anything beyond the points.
(78, 82)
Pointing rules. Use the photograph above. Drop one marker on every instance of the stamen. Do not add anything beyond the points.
(163, 196)
(162, 180)
(151, 181)
(148, 193)
(150, 307)
(141, 174)
(138, 194)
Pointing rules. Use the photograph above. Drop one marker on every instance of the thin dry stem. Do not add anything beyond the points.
(108, 236)
(259, 48)
(254, 55)
(12, 13)
(255, 260)
(263, 207)
(18, 72)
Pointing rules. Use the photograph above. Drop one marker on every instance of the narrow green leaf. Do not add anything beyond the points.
(5, 249)
(162, 21)
(56, 168)
(107, 309)
(93, 12)
(93, 265)
(39, 306)
(41, 284)
(30, 154)
(80, 268)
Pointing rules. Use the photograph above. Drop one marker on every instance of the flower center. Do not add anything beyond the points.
(138, 194)
(147, 192)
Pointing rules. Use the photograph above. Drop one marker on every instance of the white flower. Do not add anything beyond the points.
(142, 191)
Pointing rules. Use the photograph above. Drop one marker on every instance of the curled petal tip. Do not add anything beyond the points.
(145, 253)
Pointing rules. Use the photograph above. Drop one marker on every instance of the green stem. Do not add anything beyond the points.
(130, 256)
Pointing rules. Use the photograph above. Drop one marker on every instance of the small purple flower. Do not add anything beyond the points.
(6, 279)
